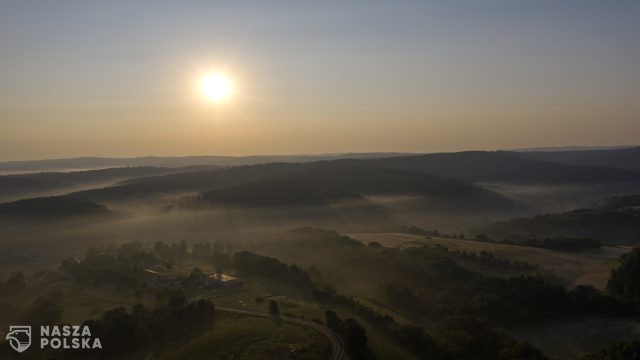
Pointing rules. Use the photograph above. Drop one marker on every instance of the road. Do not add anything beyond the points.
(337, 345)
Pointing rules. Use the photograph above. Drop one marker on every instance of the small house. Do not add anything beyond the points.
(221, 280)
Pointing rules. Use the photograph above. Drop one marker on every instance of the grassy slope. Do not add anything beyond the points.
(292, 300)
(249, 338)
(246, 337)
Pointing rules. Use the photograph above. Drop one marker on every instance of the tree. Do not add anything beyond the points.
(273, 308)
(183, 248)
(196, 274)
(618, 351)
(201, 250)
(16, 281)
(333, 321)
(162, 249)
(355, 337)
(44, 311)
(522, 351)
(625, 280)
(124, 333)
(177, 300)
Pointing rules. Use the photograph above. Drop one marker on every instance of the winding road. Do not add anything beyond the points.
(337, 345)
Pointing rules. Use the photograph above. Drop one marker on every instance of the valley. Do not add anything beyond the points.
(319, 253)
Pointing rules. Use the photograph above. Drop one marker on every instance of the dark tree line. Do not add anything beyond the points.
(488, 258)
(560, 243)
(506, 301)
(128, 334)
(354, 335)
(454, 291)
(113, 268)
(628, 350)
(16, 282)
(457, 337)
(122, 266)
(273, 268)
(625, 280)
(467, 338)
(413, 230)
(123, 332)
(413, 337)
(324, 238)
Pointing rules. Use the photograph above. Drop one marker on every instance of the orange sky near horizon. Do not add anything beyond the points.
(80, 79)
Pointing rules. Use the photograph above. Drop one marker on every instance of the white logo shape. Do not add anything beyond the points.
(19, 337)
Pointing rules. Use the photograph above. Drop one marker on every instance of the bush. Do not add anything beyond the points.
(625, 280)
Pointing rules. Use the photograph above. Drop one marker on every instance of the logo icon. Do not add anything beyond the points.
(19, 337)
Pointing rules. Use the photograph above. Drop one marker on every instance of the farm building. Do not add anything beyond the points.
(222, 280)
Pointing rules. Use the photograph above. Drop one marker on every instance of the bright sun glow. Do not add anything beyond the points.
(216, 87)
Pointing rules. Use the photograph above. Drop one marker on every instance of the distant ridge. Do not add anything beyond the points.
(511, 167)
(92, 163)
(571, 148)
(622, 158)
(17, 186)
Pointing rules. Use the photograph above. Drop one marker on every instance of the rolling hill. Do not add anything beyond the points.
(53, 207)
(279, 192)
(505, 167)
(187, 182)
(14, 187)
(498, 167)
(627, 158)
(616, 221)
(322, 185)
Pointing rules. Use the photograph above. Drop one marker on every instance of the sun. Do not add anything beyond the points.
(216, 87)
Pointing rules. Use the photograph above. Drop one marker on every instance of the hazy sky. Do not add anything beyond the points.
(119, 78)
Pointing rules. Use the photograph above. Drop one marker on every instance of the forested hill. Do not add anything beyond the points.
(478, 166)
(52, 207)
(83, 163)
(14, 187)
(627, 158)
(188, 182)
(616, 221)
(505, 167)
(320, 185)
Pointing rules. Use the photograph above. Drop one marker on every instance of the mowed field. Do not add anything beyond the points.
(589, 268)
